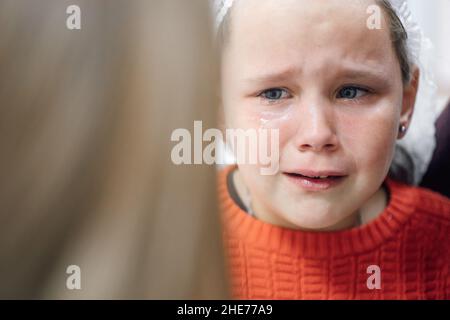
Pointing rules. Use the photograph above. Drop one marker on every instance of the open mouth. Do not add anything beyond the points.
(298, 175)
(315, 183)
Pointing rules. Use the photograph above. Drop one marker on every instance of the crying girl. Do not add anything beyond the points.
(340, 93)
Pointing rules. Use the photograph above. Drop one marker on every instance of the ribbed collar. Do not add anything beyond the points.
(238, 223)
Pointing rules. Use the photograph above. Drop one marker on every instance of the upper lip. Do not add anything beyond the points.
(318, 173)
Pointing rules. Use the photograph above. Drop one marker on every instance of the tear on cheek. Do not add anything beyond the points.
(272, 120)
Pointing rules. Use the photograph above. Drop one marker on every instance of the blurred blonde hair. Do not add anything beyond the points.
(86, 176)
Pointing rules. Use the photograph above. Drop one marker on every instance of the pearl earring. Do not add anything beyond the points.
(402, 129)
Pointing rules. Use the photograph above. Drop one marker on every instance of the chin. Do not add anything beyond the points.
(317, 221)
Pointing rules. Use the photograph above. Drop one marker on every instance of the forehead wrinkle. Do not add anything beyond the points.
(347, 69)
(281, 74)
(313, 60)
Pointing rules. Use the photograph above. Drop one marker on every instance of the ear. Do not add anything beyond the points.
(409, 100)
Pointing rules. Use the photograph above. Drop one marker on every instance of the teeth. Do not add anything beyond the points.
(315, 177)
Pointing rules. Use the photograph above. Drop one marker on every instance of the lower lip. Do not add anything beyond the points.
(311, 184)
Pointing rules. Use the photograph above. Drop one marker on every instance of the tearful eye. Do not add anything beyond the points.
(274, 94)
(351, 93)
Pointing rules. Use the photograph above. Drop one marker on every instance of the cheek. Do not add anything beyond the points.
(248, 116)
(273, 137)
(369, 138)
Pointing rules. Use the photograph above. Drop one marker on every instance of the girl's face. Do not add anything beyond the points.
(332, 87)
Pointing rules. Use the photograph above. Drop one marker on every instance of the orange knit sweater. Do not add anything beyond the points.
(409, 242)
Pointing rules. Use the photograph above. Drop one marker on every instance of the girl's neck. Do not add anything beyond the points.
(374, 206)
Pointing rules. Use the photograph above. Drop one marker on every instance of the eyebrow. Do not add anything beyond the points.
(348, 72)
(362, 73)
(276, 76)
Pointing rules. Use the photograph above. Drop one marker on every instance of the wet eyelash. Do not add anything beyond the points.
(285, 91)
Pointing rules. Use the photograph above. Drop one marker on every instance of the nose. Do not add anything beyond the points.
(316, 129)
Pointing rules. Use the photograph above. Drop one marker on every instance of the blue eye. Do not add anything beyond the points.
(351, 92)
(274, 94)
